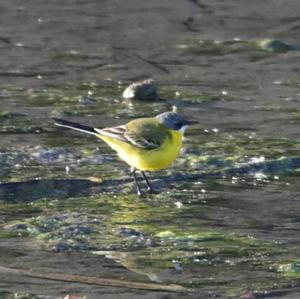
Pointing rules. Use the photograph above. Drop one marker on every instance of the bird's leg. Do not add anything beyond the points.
(138, 189)
(150, 188)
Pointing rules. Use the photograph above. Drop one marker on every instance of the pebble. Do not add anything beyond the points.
(142, 90)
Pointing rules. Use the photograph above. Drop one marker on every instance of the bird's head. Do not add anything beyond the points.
(174, 121)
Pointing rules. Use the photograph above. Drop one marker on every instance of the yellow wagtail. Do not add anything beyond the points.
(145, 144)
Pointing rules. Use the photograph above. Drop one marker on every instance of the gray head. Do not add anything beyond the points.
(174, 121)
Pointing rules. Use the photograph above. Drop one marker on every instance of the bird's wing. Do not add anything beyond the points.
(142, 133)
(113, 132)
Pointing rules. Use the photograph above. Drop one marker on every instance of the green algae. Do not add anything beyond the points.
(224, 47)
(127, 230)
(5, 114)
(144, 237)
(273, 45)
(290, 269)
(70, 193)
(18, 295)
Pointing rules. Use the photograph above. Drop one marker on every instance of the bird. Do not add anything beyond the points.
(145, 144)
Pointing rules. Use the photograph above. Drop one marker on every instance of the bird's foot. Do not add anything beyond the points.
(150, 190)
(139, 193)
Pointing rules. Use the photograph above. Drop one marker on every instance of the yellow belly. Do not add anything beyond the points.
(147, 160)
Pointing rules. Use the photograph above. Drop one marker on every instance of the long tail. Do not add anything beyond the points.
(75, 126)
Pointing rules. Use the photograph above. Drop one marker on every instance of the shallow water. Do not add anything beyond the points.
(226, 219)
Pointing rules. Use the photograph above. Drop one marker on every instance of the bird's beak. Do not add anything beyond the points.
(191, 122)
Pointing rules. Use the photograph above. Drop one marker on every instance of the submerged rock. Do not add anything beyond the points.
(142, 90)
(55, 155)
(62, 232)
(130, 233)
(70, 245)
(77, 230)
(20, 229)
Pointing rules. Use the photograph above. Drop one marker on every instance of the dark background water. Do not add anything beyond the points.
(242, 161)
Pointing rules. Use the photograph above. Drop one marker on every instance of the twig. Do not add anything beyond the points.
(113, 282)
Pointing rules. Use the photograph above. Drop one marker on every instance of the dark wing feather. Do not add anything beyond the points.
(142, 142)
(114, 132)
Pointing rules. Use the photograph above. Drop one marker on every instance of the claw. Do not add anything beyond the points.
(152, 191)
(138, 188)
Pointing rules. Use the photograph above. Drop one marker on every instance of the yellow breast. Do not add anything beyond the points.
(147, 160)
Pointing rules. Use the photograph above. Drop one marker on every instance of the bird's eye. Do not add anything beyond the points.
(177, 125)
